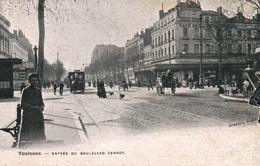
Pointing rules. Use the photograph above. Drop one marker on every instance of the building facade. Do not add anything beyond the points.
(137, 51)
(6, 61)
(19, 50)
(4, 37)
(190, 42)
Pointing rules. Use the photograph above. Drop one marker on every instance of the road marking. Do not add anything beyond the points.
(81, 104)
(82, 135)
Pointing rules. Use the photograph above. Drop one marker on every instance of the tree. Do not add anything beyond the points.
(54, 9)
(41, 38)
(58, 69)
(218, 30)
(248, 7)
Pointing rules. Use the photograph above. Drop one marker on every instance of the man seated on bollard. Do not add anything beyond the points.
(32, 105)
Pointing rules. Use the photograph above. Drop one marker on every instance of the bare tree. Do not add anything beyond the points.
(248, 7)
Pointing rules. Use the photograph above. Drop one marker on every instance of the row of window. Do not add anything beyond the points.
(160, 53)
(160, 40)
(164, 52)
(247, 33)
(239, 48)
(164, 38)
(4, 46)
(4, 32)
(163, 22)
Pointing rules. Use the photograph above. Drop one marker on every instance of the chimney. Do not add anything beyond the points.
(219, 10)
(20, 33)
(161, 14)
(15, 33)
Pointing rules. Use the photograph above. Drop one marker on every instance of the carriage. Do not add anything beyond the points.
(165, 82)
(124, 85)
(77, 81)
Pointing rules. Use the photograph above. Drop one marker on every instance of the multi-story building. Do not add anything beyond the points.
(137, 50)
(186, 38)
(19, 49)
(6, 60)
(4, 37)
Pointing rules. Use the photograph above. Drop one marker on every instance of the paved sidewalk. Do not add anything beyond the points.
(61, 126)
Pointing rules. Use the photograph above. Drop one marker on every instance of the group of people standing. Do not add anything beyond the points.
(61, 86)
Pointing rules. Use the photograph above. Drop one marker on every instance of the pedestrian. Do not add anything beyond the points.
(169, 74)
(164, 79)
(98, 88)
(32, 105)
(22, 87)
(111, 84)
(54, 87)
(190, 83)
(150, 85)
(130, 84)
(61, 87)
(102, 91)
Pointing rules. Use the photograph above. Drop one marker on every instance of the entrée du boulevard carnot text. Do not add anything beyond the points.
(72, 153)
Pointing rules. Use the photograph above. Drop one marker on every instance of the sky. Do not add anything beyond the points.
(74, 27)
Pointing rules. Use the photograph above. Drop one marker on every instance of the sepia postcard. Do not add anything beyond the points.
(130, 82)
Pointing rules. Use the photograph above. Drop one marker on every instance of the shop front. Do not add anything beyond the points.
(6, 76)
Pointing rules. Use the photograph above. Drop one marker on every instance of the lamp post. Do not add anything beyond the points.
(169, 39)
(35, 55)
(201, 76)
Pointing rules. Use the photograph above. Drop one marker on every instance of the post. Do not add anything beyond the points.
(35, 55)
(201, 76)
(169, 39)
(219, 66)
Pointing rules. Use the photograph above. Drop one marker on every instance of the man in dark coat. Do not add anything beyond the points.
(32, 105)
(111, 84)
(98, 88)
(54, 87)
(150, 85)
(61, 87)
(102, 91)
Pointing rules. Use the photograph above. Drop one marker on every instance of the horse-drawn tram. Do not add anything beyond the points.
(77, 81)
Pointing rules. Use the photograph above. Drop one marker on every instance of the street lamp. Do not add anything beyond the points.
(201, 76)
(169, 39)
(35, 54)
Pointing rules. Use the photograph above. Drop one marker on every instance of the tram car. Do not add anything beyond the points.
(77, 81)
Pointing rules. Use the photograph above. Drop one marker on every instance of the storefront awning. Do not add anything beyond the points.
(11, 61)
